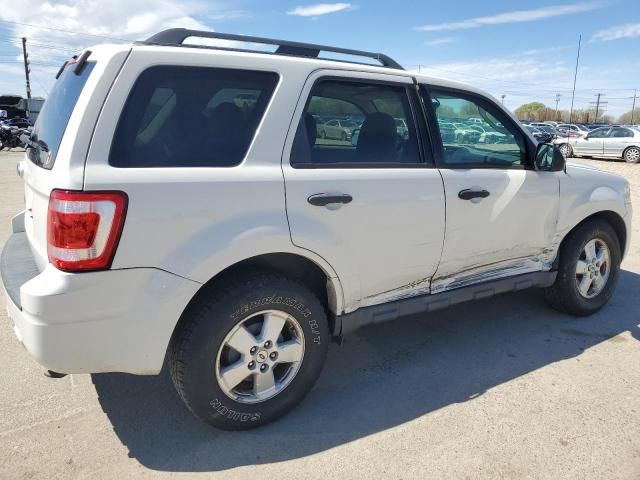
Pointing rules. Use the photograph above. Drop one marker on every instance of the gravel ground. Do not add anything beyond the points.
(502, 388)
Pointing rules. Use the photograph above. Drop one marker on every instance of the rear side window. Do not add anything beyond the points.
(191, 117)
(351, 124)
(52, 120)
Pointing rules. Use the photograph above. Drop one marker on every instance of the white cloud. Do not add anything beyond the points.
(319, 9)
(440, 41)
(628, 30)
(124, 20)
(527, 78)
(512, 17)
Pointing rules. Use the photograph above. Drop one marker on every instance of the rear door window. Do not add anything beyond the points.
(191, 117)
(354, 124)
(53, 119)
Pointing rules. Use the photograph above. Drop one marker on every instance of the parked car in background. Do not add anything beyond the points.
(550, 129)
(604, 142)
(573, 127)
(401, 128)
(447, 132)
(487, 134)
(539, 134)
(337, 129)
(465, 133)
(17, 122)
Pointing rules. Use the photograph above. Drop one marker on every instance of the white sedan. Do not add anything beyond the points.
(605, 142)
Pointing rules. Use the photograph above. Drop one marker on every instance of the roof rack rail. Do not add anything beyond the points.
(176, 37)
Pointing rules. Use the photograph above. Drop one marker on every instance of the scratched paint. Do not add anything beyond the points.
(542, 262)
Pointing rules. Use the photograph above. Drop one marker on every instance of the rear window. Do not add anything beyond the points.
(54, 116)
(191, 117)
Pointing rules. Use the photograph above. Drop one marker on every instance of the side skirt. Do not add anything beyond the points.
(349, 322)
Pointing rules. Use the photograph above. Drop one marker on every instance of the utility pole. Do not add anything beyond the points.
(635, 94)
(502, 97)
(597, 105)
(26, 66)
(557, 101)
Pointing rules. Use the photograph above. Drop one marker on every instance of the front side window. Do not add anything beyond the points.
(353, 123)
(599, 133)
(491, 142)
(191, 117)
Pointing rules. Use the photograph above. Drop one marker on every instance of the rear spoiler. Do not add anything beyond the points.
(80, 63)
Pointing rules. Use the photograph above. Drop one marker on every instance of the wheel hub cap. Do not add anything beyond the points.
(593, 268)
(260, 356)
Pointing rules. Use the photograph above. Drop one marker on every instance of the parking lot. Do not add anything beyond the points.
(501, 388)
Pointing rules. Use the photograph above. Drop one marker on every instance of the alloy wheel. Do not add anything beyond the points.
(260, 356)
(593, 268)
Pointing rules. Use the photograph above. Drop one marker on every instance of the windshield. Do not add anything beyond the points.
(52, 120)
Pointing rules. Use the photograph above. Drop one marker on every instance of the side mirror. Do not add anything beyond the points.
(549, 158)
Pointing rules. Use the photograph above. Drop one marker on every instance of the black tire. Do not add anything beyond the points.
(632, 155)
(343, 136)
(563, 295)
(323, 134)
(206, 323)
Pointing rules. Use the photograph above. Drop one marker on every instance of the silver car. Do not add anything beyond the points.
(604, 142)
(337, 129)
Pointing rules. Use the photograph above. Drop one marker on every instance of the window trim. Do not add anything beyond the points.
(268, 102)
(438, 145)
(424, 160)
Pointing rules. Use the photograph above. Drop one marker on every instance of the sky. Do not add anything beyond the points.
(525, 50)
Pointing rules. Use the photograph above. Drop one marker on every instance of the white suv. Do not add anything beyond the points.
(180, 204)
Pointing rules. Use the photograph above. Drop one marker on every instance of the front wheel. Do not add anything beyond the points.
(566, 150)
(588, 269)
(632, 155)
(248, 353)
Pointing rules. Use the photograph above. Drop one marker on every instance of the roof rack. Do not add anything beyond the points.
(176, 37)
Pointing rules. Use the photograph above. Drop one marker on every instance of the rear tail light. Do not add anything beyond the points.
(84, 228)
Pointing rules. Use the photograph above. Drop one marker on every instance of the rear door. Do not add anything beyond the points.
(373, 205)
(617, 141)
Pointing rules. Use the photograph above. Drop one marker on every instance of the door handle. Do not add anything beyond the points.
(469, 194)
(324, 199)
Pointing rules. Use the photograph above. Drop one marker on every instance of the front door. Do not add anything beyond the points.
(592, 143)
(371, 205)
(501, 214)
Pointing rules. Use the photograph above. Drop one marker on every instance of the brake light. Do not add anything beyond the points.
(84, 228)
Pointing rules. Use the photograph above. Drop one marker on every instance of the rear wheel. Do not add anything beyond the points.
(566, 150)
(248, 353)
(588, 269)
(632, 155)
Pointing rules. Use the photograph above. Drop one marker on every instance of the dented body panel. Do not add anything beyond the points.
(512, 231)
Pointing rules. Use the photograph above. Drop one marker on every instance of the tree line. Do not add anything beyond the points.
(536, 111)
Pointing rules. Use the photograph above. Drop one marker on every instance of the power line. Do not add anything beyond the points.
(57, 29)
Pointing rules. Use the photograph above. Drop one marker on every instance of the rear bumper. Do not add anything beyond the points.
(110, 321)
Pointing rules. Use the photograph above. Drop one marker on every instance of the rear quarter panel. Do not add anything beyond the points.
(197, 221)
